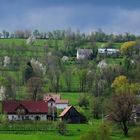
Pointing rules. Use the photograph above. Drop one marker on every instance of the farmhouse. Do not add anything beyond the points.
(71, 115)
(84, 54)
(108, 51)
(54, 100)
(25, 110)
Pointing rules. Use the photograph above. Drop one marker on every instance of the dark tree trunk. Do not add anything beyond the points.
(125, 129)
(35, 94)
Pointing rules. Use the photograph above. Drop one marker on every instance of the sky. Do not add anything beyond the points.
(112, 16)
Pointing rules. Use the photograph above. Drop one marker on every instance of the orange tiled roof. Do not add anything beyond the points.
(56, 98)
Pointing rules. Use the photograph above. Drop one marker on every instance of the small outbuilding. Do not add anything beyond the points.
(71, 115)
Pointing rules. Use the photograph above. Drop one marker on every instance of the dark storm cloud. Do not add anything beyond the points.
(86, 15)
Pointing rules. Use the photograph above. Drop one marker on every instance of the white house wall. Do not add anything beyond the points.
(13, 117)
(61, 106)
(51, 103)
(57, 105)
(80, 56)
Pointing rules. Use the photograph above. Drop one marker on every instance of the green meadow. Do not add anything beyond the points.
(75, 131)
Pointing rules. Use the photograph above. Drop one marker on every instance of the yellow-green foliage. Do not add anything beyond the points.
(127, 47)
(3, 118)
(121, 84)
(119, 81)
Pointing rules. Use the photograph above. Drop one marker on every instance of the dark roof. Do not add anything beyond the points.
(65, 111)
(10, 106)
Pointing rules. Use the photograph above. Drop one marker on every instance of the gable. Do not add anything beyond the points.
(21, 110)
(69, 111)
(51, 100)
(72, 112)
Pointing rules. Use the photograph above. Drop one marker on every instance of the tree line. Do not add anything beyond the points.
(98, 36)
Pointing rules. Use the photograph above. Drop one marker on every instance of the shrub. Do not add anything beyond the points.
(3, 118)
(101, 133)
(91, 135)
(136, 134)
(83, 101)
(62, 127)
(104, 132)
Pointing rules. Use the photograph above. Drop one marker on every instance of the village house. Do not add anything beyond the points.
(71, 115)
(108, 51)
(25, 110)
(136, 113)
(55, 100)
(84, 54)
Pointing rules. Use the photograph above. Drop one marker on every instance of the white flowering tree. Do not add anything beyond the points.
(65, 59)
(38, 67)
(30, 40)
(102, 64)
(7, 87)
(2, 92)
(6, 61)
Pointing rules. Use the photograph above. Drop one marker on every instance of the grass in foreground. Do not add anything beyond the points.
(75, 132)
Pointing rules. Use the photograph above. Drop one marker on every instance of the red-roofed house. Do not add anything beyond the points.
(25, 110)
(54, 100)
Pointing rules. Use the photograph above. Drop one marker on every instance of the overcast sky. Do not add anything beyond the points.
(112, 16)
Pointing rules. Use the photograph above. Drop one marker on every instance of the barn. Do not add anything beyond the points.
(71, 115)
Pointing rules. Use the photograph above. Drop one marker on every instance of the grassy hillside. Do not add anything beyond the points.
(25, 53)
(42, 42)
(21, 54)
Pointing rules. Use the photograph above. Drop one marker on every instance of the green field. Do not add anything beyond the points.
(41, 42)
(73, 97)
(75, 131)
(49, 136)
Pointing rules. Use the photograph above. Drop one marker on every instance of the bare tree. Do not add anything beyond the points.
(120, 109)
(34, 85)
(54, 71)
(68, 78)
(96, 107)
